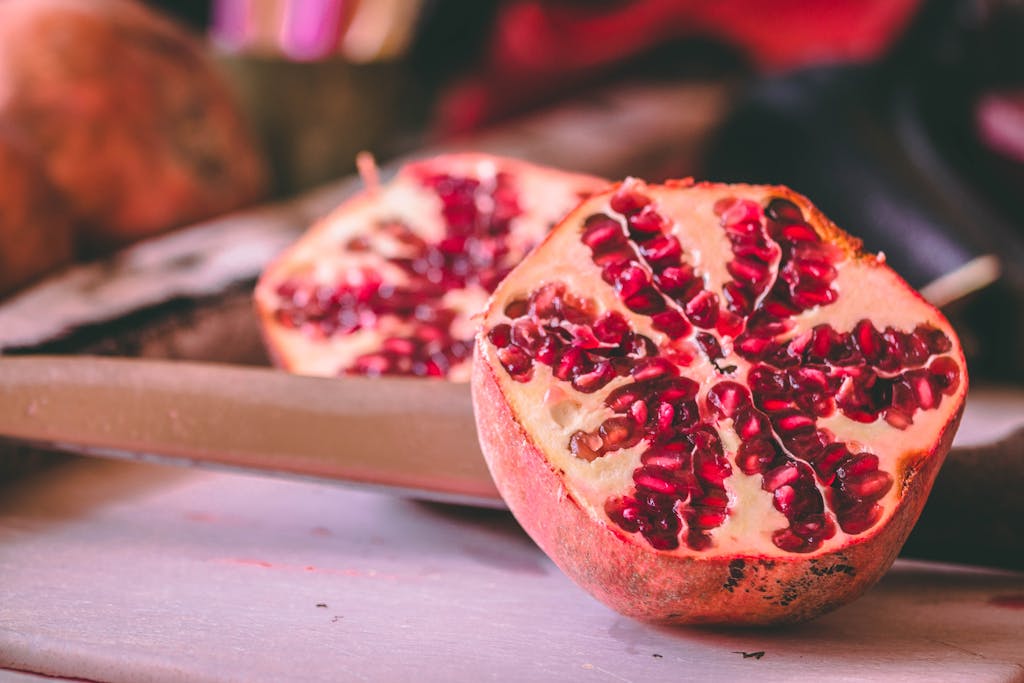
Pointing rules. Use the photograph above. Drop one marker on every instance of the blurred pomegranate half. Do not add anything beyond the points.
(708, 405)
(128, 114)
(391, 282)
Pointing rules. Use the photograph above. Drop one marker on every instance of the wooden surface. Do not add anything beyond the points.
(129, 572)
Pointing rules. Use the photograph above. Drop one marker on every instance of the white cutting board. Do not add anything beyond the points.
(129, 572)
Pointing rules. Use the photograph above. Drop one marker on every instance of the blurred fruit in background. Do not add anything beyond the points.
(127, 115)
(35, 224)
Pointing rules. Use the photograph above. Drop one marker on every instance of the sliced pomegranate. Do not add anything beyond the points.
(739, 428)
(391, 281)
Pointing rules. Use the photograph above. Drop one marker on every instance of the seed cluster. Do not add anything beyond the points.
(474, 250)
(780, 268)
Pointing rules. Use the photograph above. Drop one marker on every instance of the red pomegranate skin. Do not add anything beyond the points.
(35, 225)
(628, 575)
(133, 121)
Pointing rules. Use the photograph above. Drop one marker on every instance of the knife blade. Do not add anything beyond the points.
(406, 435)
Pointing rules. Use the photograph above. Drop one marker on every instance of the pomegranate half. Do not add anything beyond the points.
(393, 281)
(708, 405)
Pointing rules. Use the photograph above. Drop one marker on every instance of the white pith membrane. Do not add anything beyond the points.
(325, 258)
(552, 410)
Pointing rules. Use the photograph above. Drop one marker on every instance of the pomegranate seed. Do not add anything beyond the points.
(611, 327)
(662, 251)
(872, 485)
(755, 455)
(619, 432)
(780, 476)
(516, 362)
(625, 512)
(748, 270)
(646, 301)
(947, 374)
(671, 323)
(638, 411)
(726, 398)
(654, 368)
(628, 202)
(603, 234)
(862, 463)
(654, 479)
(783, 210)
(500, 335)
(799, 233)
(750, 423)
(677, 281)
(736, 211)
(589, 381)
(934, 338)
(586, 446)
(526, 335)
(646, 223)
(702, 310)
(860, 519)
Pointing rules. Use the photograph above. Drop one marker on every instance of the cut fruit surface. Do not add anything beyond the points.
(707, 404)
(392, 281)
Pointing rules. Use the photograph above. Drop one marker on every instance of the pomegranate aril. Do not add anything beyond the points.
(602, 233)
(654, 368)
(793, 421)
(646, 223)
(516, 362)
(947, 374)
(710, 346)
(860, 518)
(586, 446)
(655, 479)
(678, 282)
(625, 512)
(702, 310)
(611, 328)
(827, 461)
(734, 211)
(783, 210)
(703, 517)
(783, 475)
(755, 455)
(862, 463)
(628, 202)
(935, 339)
(750, 423)
(738, 299)
(796, 232)
(809, 296)
(711, 469)
(671, 323)
(749, 271)
(619, 432)
(638, 411)
(869, 485)
(726, 398)
(589, 381)
(526, 335)
(662, 251)
(646, 301)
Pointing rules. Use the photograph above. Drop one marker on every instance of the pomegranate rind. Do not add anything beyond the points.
(320, 247)
(685, 587)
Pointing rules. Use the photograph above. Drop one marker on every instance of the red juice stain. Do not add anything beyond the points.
(1010, 601)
